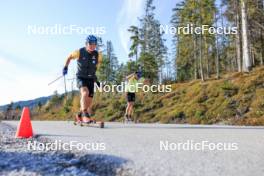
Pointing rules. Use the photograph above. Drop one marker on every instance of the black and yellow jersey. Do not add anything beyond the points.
(87, 62)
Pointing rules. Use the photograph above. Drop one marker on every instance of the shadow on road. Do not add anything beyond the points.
(57, 163)
(58, 135)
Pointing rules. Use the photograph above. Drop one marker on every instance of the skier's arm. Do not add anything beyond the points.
(73, 55)
(130, 76)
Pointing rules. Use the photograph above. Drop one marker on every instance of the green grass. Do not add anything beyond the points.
(235, 99)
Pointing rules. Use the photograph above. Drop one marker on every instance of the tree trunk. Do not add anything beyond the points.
(177, 54)
(201, 58)
(246, 54)
(238, 38)
(262, 48)
(206, 59)
(262, 40)
(194, 57)
(217, 54)
(201, 45)
(252, 55)
(223, 41)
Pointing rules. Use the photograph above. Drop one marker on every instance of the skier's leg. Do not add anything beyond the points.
(127, 111)
(132, 101)
(130, 110)
(84, 95)
(90, 86)
(89, 105)
(84, 104)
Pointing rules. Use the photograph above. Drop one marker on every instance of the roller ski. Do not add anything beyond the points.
(86, 120)
(127, 119)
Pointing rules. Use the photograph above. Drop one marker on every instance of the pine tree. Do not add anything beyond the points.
(193, 52)
(246, 56)
(109, 66)
(148, 42)
(134, 49)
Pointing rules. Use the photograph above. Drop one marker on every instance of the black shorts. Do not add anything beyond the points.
(86, 82)
(131, 97)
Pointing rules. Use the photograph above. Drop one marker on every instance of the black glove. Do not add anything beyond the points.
(65, 71)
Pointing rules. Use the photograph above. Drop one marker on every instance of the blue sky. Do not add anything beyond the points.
(29, 62)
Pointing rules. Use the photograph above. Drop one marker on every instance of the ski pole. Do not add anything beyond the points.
(65, 86)
(55, 80)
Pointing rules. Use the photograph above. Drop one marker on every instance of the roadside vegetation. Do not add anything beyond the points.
(236, 99)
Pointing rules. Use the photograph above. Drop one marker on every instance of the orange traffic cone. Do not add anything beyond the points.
(24, 129)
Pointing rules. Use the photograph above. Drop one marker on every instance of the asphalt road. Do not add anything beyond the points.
(228, 150)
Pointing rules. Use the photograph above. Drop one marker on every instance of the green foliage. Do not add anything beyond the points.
(103, 69)
(229, 89)
(149, 39)
(150, 66)
(55, 99)
(191, 102)
(109, 66)
(67, 105)
(192, 51)
(236, 99)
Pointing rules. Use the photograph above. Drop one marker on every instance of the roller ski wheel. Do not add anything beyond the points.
(78, 119)
(101, 124)
(93, 123)
(88, 122)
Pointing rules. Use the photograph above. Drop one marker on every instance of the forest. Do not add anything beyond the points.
(215, 78)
